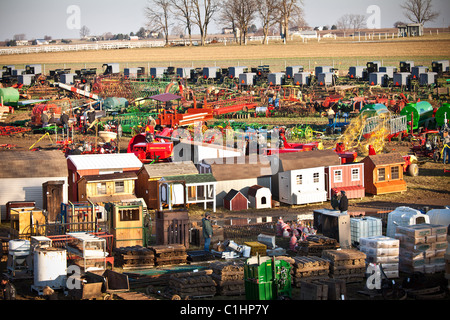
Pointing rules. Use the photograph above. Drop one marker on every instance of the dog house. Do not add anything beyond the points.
(259, 197)
(235, 201)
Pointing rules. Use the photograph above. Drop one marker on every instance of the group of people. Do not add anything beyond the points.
(339, 201)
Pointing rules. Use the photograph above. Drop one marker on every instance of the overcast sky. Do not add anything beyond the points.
(58, 18)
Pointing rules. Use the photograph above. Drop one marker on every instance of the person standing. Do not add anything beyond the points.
(334, 201)
(207, 230)
(8, 289)
(44, 119)
(343, 203)
(446, 151)
(330, 115)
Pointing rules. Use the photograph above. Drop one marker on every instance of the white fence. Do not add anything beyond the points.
(83, 47)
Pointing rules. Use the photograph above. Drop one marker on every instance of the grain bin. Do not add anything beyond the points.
(421, 111)
(50, 268)
(9, 95)
(292, 70)
(401, 79)
(302, 78)
(443, 114)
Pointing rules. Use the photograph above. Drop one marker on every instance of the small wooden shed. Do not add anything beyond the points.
(346, 177)
(259, 197)
(383, 173)
(235, 200)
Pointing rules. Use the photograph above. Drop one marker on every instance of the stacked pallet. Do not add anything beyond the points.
(382, 250)
(169, 254)
(346, 264)
(326, 289)
(422, 247)
(309, 269)
(229, 277)
(134, 257)
(315, 244)
(193, 284)
(256, 248)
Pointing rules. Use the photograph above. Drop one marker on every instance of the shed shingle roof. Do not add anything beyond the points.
(105, 161)
(308, 159)
(32, 164)
(386, 158)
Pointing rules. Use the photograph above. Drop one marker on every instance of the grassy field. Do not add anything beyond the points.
(341, 53)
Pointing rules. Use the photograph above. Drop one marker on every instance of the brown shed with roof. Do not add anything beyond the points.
(383, 173)
(235, 200)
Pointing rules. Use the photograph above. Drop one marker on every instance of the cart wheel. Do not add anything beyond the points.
(413, 170)
(175, 297)
(108, 297)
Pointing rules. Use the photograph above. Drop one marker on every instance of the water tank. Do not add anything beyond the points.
(115, 104)
(19, 247)
(9, 95)
(442, 114)
(50, 267)
(375, 109)
(404, 216)
(421, 111)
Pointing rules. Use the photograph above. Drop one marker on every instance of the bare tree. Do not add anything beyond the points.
(18, 37)
(228, 18)
(202, 15)
(182, 10)
(84, 32)
(286, 10)
(351, 21)
(158, 13)
(267, 14)
(244, 13)
(419, 11)
(357, 21)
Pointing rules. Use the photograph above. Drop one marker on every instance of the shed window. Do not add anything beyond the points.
(395, 173)
(355, 174)
(119, 187)
(316, 177)
(299, 179)
(337, 175)
(381, 174)
(101, 188)
(129, 215)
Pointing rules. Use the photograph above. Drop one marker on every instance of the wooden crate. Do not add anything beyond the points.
(313, 291)
(172, 227)
(256, 248)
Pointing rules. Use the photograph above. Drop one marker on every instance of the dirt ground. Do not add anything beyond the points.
(431, 188)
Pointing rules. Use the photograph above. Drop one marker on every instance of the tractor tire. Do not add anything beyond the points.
(413, 170)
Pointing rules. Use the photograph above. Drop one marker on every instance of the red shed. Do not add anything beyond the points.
(235, 200)
(346, 177)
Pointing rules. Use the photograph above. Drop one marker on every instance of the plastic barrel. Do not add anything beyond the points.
(9, 95)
